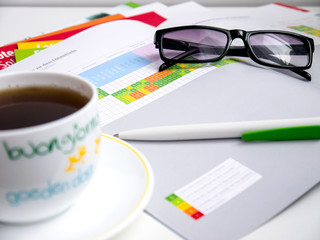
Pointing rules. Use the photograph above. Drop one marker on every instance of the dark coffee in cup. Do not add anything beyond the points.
(28, 106)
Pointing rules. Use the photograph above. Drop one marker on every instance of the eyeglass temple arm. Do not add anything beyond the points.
(166, 65)
(302, 73)
(185, 46)
(173, 44)
(239, 51)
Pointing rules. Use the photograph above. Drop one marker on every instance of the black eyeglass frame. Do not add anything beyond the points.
(245, 51)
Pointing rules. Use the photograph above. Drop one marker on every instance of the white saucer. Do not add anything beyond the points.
(117, 193)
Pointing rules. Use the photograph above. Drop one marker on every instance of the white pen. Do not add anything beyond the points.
(283, 129)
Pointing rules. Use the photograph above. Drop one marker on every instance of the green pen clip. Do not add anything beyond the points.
(283, 134)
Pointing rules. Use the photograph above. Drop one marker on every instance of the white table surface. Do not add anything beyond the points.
(300, 221)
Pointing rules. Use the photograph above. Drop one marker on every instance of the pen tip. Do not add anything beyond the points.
(116, 135)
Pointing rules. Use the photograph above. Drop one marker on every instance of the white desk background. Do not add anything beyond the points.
(301, 221)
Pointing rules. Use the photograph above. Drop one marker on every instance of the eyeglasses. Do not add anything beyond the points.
(199, 44)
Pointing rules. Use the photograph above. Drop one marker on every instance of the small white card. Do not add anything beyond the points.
(213, 189)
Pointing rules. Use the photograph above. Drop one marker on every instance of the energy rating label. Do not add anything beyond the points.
(213, 189)
(184, 206)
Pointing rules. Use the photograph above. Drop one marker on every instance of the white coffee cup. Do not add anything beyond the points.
(44, 168)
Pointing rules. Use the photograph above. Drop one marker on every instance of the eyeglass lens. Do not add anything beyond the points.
(279, 49)
(201, 44)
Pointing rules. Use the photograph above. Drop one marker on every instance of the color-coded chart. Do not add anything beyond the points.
(129, 93)
(306, 29)
(128, 79)
(213, 189)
